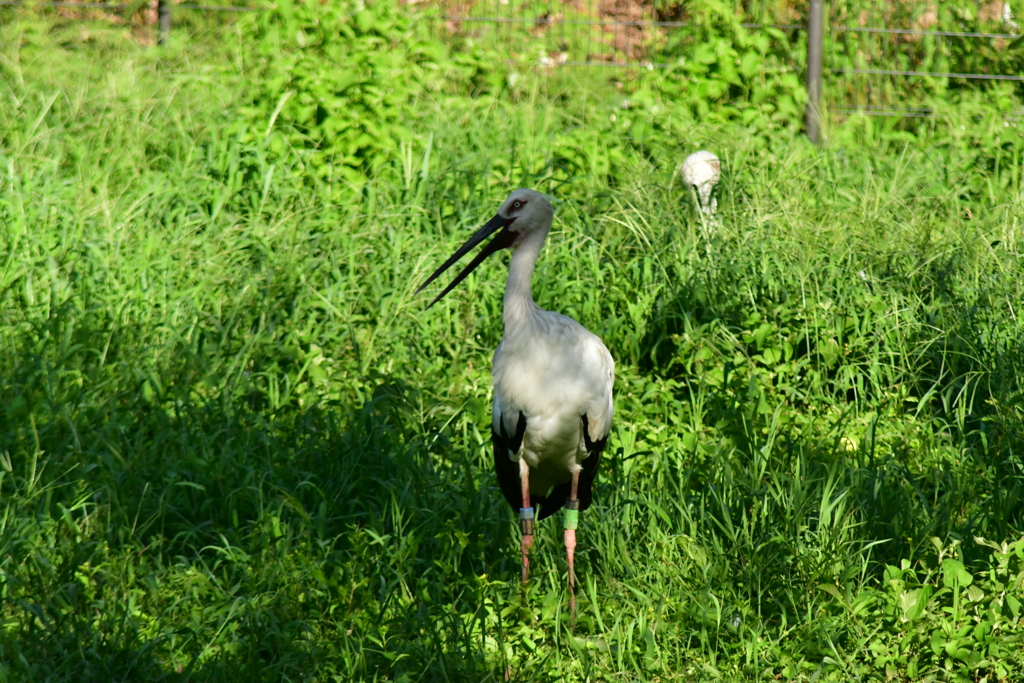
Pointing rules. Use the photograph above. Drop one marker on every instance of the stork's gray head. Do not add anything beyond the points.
(525, 213)
(701, 168)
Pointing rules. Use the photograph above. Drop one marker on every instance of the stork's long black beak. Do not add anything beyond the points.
(502, 240)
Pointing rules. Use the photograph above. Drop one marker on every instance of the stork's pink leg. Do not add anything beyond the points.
(526, 517)
(572, 512)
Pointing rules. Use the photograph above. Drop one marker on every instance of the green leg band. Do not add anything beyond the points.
(572, 518)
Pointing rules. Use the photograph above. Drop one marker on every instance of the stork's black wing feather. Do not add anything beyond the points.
(506, 469)
(559, 494)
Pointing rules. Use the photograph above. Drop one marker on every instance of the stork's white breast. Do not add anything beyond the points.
(554, 371)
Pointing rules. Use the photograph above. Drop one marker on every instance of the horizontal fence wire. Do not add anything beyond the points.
(102, 5)
(905, 112)
(215, 8)
(628, 65)
(918, 32)
(902, 113)
(929, 74)
(75, 5)
(543, 21)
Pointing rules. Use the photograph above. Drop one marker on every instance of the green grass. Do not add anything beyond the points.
(234, 445)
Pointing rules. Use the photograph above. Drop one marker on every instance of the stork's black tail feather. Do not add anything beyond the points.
(506, 469)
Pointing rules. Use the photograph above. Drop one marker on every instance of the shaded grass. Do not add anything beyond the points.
(233, 443)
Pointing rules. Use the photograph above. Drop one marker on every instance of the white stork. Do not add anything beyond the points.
(701, 171)
(552, 384)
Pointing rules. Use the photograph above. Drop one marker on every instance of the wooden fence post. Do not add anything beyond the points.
(815, 38)
(163, 19)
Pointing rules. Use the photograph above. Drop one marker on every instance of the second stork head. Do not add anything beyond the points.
(701, 170)
(523, 219)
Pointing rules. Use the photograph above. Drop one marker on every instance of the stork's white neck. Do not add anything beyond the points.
(519, 304)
